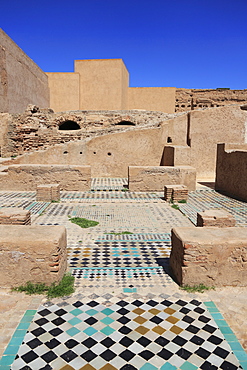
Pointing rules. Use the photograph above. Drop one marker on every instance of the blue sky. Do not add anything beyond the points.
(181, 43)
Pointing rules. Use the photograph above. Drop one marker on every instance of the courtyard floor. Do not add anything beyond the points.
(126, 312)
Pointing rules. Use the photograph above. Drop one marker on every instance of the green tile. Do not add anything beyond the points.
(7, 360)
(17, 341)
(26, 319)
(236, 346)
(89, 331)
(217, 316)
(210, 304)
(230, 337)
(221, 323)
(91, 312)
(188, 366)
(23, 325)
(243, 364)
(107, 311)
(226, 330)
(74, 321)
(4, 367)
(127, 290)
(168, 366)
(107, 320)
(30, 313)
(72, 331)
(148, 367)
(241, 355)
(11, 350)
(76, 312)
(107, 330)
(19, 333)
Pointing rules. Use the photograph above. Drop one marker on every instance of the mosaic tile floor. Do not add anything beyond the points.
(126, 313)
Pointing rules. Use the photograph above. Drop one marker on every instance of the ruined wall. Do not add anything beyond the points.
(193, 99)
(64, 91)
(103, 84)
(161, 99)
(22, 82)
(231, 170)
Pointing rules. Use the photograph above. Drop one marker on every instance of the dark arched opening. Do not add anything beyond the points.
(69, 125)
(125, 123)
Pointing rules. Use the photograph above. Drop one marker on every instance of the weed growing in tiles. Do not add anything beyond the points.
(175, 206)
(196, 288)
(64, 288)
(182, 201)
(83, 222)
(122, 233)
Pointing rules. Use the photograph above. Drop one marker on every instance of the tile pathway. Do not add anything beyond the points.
(126, 313)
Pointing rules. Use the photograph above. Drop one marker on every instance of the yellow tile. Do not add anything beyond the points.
(138, 311)
(159, 330)
(154, 311)
(169, 310)
(172, 319)
(67, 367)
(86, 367)
(142, 330)
(108, 367)
(139, 320)
(175, 329)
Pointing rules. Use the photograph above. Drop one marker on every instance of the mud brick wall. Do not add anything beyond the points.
(209, 256)
(153, 178)
(215, 218)
(15, 216)
(27, 177)
(47, 193)
(32, 253)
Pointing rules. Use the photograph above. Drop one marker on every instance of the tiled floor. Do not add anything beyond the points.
(126, 313)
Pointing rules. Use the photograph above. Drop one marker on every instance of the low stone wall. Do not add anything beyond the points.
(48, 193)
(32, 253)
(15, 216)
(27, 177)
(231, 170)
(209, 256)
(154, 178)
(215, 218)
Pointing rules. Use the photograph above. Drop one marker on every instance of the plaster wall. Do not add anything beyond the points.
(22, 82)
(161, 99)
(64, 91)
(4, 125)
(207, 129)
(231, 170)
(103, 84)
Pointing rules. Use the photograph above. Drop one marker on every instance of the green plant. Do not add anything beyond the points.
(124, 189)
(55, 201)
(196, 288)
(13, 156)
(83, 222)
(122, 233)
(63, 288)
(182, 201)
(175, 206)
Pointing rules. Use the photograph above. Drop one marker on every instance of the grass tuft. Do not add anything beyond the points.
(122, 233)
(175, 206)
(182, 201)
(196, 288)
(64, 288)
(83, 222)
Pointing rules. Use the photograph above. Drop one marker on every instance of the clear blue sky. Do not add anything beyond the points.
(181, 43)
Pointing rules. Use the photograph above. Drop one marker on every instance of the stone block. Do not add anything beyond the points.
(48, 192)
(209, 256)
(168, 193)
(216, 218)
(15, 216)
(32, 253)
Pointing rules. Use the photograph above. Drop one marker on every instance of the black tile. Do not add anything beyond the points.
(77, 304)
(60, 312)
(209, 328)
(128, 367)
(179, 341)
(88, 355)
(181, 303)
(208, 366)
(195, 302)
(165, 354)
(188, 319)
(126, 342)
(202, 353)
(183, 353)
(215, 340)
(55, 332)
(107, 342)
(197, 340)
(49, 356)
(124, 330)
(203, 319)
(108, 355)
(144, 341)
(127, 355)
(58, 321)
(221, 352)
(34, 343)
(156, 320)
(228, 366)
(41, 322)
(199, 310)
(137, 303)
(37, 332)
(29, 356)
(52, 343)
(69, 356)
(123, 320)
(46, 367)
(93, 304)
(166, 303)
(184, 310)
(91, 321)
(71, 343)
(44, 312)
(192, 329)
(146, 354)
(152, 303)
(123, 311)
